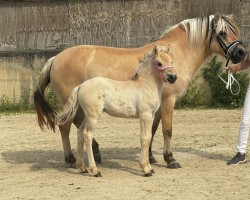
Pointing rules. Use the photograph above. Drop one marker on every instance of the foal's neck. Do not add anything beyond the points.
(147, 76)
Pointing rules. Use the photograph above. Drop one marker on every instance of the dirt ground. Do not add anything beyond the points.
(32, 164)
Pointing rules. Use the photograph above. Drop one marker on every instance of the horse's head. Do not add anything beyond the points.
(162, 64)
(225, 38)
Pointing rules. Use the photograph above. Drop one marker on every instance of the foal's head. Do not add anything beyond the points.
(162, 64)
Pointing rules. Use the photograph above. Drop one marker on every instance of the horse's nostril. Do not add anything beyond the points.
(240, 53)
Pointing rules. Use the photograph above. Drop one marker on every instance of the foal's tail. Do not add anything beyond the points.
(46, 113)
(70, 108)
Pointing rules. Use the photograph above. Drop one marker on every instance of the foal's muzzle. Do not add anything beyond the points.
(171, 78)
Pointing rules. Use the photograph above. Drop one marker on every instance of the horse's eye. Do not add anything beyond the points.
(223, 34)
(159, 64)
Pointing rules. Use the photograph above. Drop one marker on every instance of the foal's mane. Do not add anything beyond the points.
(145, 58)
(199, 29)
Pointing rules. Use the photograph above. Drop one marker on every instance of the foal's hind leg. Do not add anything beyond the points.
(79, 117)
(80, 145)
(88, 138)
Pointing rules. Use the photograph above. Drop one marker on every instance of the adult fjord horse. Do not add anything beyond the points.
(192, 41)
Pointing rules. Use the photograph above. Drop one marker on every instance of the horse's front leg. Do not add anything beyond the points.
(146, 124)
(155, 125)
(167, 109)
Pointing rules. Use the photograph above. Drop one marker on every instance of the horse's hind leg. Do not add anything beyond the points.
(68, 155)
(79, 117)
(155, 125)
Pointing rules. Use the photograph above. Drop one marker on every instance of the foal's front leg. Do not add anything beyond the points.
(146, 124)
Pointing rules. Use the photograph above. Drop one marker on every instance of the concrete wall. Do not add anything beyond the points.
(19, 72)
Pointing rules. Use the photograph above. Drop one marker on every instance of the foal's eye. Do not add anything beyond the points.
(159, 64)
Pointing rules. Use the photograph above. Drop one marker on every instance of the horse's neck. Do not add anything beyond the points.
(183, 52)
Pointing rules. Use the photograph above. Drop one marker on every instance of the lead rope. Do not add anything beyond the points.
(230, 79)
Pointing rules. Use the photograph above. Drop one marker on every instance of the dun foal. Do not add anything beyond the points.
(136, 98)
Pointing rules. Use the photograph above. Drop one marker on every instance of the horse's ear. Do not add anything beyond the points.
(217, 17)
(167, 48)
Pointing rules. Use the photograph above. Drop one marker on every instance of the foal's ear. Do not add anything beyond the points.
(217, 17)
(156, 49)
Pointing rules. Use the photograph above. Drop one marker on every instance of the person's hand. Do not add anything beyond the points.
(234, 68)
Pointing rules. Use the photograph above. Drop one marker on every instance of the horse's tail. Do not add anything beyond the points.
(70, 108)
(46, 113)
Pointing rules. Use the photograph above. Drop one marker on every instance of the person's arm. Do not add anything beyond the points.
(245, 64)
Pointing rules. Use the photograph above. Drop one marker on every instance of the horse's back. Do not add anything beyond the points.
(77, 64)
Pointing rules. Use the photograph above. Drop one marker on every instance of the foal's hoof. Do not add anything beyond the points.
(152, 171)
(85, 171)
(174, 165)
(148, 174)
(98, 174)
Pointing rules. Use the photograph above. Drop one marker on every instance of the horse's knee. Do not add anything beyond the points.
(167, 133)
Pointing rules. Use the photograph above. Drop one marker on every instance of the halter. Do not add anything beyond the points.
(228, 51)
(159, 70)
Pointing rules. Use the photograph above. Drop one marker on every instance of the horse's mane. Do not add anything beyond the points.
(198, 29)
(142, 60)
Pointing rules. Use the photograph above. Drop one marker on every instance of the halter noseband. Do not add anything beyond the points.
(159, 70)
(228, 49)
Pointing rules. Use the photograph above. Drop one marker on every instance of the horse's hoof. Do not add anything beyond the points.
(174, 165)
(73, 165)
(98, 174)
(148, 174)
(98, 158)
(70, 159)
(152, 171)
(152, 160)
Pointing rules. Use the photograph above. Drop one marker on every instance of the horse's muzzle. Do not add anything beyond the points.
(171, 78)
(239, 54)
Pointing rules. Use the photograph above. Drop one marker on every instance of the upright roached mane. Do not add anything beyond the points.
(199, 29)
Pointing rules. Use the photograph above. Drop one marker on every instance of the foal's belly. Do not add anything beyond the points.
(121, 109)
